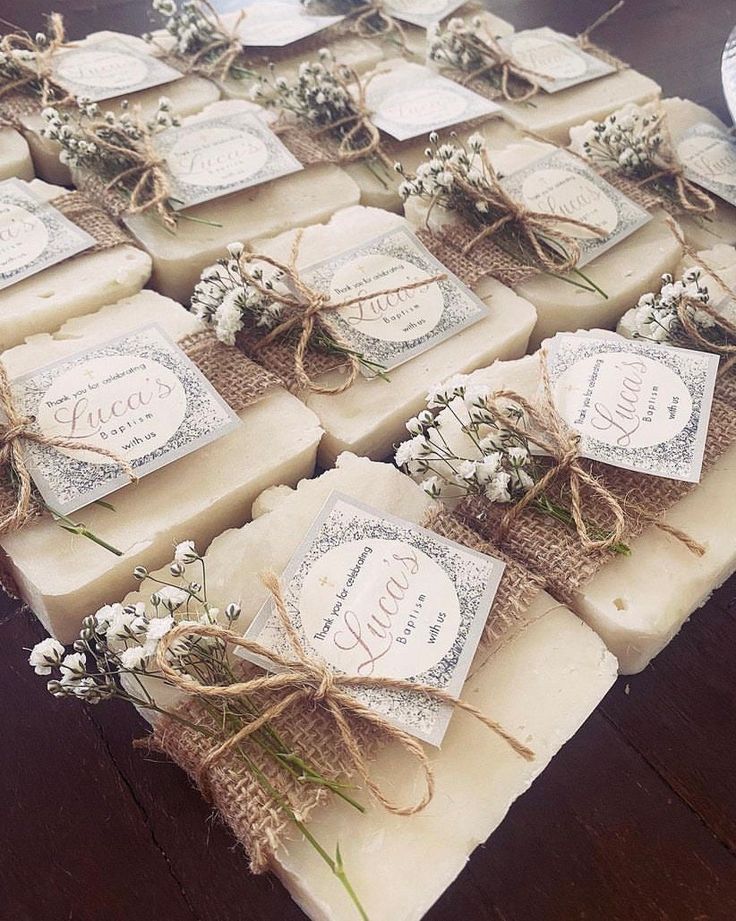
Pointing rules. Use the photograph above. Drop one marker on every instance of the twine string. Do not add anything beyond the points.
(306, 680)
(18, 429)
(40, 69)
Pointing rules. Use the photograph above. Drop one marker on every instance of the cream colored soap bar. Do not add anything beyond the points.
(305, 197)
(63, 577)
(541, 686)
(42, 302)
(637, 603)
(15, 157)
(188, 95)
(369, 417)
(633, 265)
(553, 114)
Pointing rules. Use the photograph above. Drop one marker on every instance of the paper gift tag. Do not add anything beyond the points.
(374, 595)
(210, 157)
(391, 328)
(139, 396)
(278, 23)
(412, 100)
(563, 184)
(708, 155)
(421, 12)
(635, 404)
(109, 68)
(33, 234)
(556, 60)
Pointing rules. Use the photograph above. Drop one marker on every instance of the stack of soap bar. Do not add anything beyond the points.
(623, 272)
(15, 157)
(637, 603)
(305, 197)
(369, 417)
(187, 95)
(82, 284)
(541, 686)
(63, 577)
(553, 114)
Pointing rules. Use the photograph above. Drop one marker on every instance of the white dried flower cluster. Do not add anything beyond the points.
(124, 639)
(629, 140)
(20, 63)
(458, 448)
(434, 179)
(656, 315)
(82, 136)
(319, 95)
(227, 301)
(187, 24)
(456, 44)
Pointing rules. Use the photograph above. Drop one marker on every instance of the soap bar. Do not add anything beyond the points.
(541, 686)
(306, 197)
(633, 265)
(15, 157)
(553, 114)
(637, 603)
(64, 577)
(369, 417)
(720, 225)
(43, 302)
(188, 95)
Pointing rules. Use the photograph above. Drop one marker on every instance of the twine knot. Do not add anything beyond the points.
(297, 678)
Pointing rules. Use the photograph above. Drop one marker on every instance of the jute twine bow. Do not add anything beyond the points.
(503, 63)
(687, 306)
(224, 50)
(305, 308)
(371, 19)
(549, 432)
(361, 139)
(538, 228)
(151, 184)
(18, 429)
(39, 70)
(308, 681)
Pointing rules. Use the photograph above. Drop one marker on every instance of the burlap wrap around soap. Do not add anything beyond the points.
(553, 550)
(239, 381)
(253, 817)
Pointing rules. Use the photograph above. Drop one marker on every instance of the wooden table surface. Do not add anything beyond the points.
(635, 820)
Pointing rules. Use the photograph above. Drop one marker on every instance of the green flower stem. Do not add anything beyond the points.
(547, 506)
(81, 530)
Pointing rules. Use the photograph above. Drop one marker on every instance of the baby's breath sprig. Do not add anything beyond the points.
(369, 19)
(458, 177)
(25, 63)
(230, 298)
(471, 50)
(459, 448)
(115, 656)
(118, 149)
(634, 142)
(657, 315)
(202, 41)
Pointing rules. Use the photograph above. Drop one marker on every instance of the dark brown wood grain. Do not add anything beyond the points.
(635, 820)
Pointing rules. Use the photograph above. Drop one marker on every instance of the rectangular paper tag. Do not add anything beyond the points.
(422, 13)
(211, 157)
(411, 100)
(109, 68)
(138, 395)
(389, 329)
(708, 154)
(374, 595)
(554, 60)
(563, 184)
(636, 405)
(33, 234)
(278, 23)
